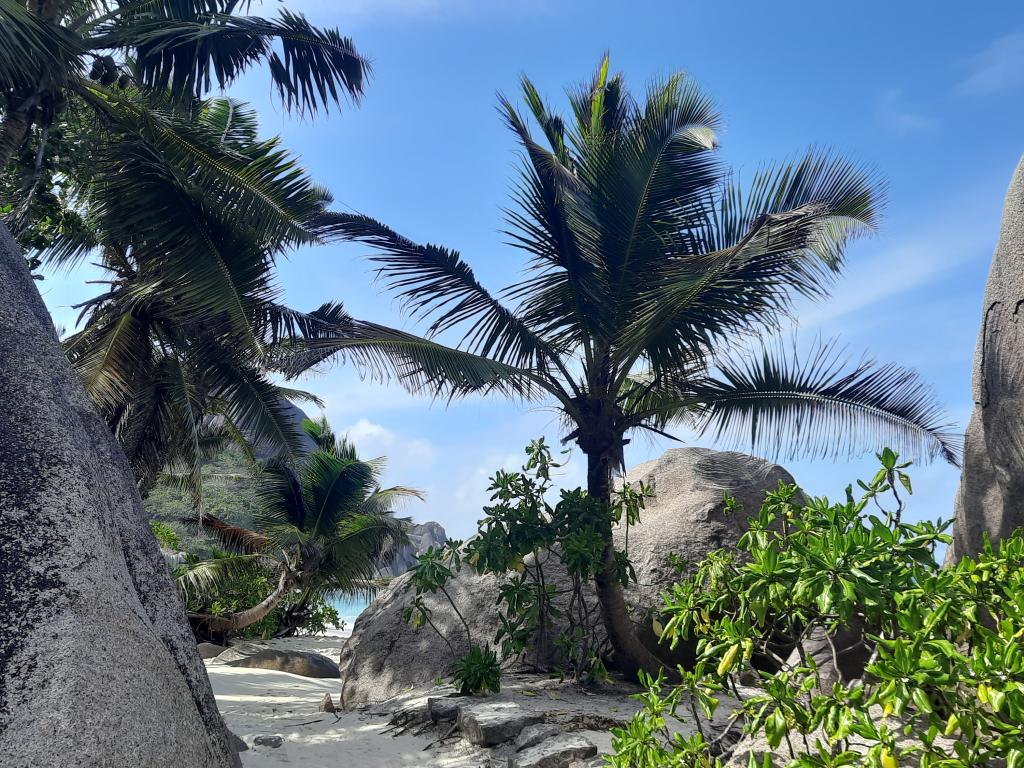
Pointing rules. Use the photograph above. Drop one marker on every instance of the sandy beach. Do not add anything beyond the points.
(260, 703)
(256, 702)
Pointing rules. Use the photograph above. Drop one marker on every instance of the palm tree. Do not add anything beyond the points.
(176, 351)
(650, 266)
(53, 52)
(323, 528)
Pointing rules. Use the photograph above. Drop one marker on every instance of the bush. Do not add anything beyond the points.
(520, 532)
(943, 684)
(477, 672)
(166, 536)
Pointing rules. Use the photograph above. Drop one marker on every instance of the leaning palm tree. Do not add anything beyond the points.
(323, 527)
(650, 266)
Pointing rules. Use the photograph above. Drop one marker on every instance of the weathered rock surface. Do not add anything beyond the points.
(272, 741)
(535, 734)
(304, 663)
(686, 516)
(98, 666)
(991, 496)
(210, 650)
(491, 723)
(556, 752)
(446, 708)
(421, 537)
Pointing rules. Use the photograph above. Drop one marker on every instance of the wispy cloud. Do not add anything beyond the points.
(1000, 67)
(898, 116)
(374, 439)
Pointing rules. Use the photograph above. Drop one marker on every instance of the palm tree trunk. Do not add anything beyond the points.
(631, 655)
(236, 621)
(14, 128)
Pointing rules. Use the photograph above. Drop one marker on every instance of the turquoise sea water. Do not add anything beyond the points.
(349, 607)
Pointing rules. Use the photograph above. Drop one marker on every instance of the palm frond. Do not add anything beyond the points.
(264, 185)
(435, 281)
(32, 51)
(208, 577)
(739, 270)
(311, 68)
(778, 403)
(419, 364)
(233, 538)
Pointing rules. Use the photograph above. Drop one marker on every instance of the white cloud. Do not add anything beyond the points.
(895, 114)
(372, 439)
(1000, 67)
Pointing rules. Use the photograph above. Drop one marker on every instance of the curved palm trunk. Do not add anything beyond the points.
(236, 621)
(631, 655)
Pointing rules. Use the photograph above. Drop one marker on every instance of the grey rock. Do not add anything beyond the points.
(492, 723)
(92, 632)
(327, 704)
(172, 558)
(421, 537)
(991, 495)
(268, 741)
(210, 650)
(557, 752)
(446, 708)
(535, 734)
(386, 656)
(237, 742)
(305, 663)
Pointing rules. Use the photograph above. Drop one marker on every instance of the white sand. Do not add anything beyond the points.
(258, 702)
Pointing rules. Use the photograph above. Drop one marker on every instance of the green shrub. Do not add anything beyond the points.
(166, 536)
(519, 524)
(944, 682)
(477, 672)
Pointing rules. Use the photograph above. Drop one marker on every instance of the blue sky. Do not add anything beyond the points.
(929, 94)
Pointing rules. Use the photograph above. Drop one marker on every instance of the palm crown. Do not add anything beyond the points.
(648, 264)
(324, 525)
(175, 351)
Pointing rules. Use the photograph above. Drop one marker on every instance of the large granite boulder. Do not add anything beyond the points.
(686, 516)
(98, 666)
(991, 496)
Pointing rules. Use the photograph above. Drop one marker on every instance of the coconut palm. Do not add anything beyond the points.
(56, 51)
(176, 350)
(323, 527)
(650, 267)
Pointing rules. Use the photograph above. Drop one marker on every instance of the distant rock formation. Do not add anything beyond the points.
(686, 516)
(97, 662)
(991, 496)
(421, 537)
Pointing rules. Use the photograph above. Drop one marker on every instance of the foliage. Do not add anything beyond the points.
(248, 587)
(943, 683)
(477, 672)
(322, 527)
(519, 540)
(165, 535)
